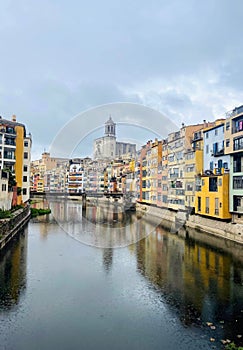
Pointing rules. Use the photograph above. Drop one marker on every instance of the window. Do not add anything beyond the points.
(227, 143)
(25, 155)
(4, 187)
(24, 178)
(238, 182)
(213, 184)
(216, 211)
(216, 132)
(238, 164)
(26, 143)
(206, 135)
(164, 199)
(207, 148)
(227, 125)
(238, 143)
(199, 204)
(207, 205)
(25, 168)
(24, 191)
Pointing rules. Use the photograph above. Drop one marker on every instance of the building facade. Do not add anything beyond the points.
(15, 155)
(107, 147)
(234, 148)
(212, 193)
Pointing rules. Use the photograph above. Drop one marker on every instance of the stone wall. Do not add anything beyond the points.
(176, 220)
(226, 230)
(9, 227)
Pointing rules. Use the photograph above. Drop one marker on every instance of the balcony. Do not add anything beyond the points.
(174, 176)
(237, 111)
(9, 158)
(239, 209)
(10, 131)
(218, 153)
(10, 142)
(197, 136)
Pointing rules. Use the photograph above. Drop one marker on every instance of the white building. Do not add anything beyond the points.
(108, 147)
(214, 150)
(26, 169)
(5, 195)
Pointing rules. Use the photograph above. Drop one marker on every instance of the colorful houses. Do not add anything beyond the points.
(212, 196)
(197, 169)
(234, 148)
(15, 146)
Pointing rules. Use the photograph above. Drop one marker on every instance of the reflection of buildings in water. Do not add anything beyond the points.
(107, 258)
(64, 211)
(13, 271)
(194, 278)
(44, 228)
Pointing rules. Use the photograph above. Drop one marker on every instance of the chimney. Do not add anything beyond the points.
(205, 124)
(13, 118)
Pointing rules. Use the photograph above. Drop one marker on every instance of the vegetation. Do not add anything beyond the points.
(5, 214)
(232, 346)
(35, 212)
(16, 207)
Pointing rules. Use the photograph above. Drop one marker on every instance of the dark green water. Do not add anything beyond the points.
(58, 293)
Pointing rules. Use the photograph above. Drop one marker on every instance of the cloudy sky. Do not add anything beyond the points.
(59, 58)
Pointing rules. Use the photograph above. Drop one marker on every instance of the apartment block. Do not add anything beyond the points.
(179, 143)
(212, 192)
(15, 148)
(234, 148)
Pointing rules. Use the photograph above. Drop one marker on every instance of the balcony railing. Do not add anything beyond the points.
(10, 142)
(218, 153)
(237, 147)
(173, 176)
(240, 209)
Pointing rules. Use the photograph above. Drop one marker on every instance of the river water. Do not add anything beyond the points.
(63, 287)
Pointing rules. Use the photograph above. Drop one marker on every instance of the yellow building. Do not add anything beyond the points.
(193, 168)
(15, 148)
(212, 196)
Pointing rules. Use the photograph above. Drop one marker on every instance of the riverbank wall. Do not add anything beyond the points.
(10, 227)
(175, 221)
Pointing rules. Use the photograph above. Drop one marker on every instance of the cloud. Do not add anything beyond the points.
(59, 58)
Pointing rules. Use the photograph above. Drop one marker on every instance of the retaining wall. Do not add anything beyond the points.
(9, 227)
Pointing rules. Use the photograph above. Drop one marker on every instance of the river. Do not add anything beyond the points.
(70, 283)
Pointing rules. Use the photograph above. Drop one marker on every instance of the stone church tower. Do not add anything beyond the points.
(107, 147)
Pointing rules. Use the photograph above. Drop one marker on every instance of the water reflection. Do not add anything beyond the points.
(13, 271)
(199, 282)
(107, 258)
(104, 226)
(165, 286)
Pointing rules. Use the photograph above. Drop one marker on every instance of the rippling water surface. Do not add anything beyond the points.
(163, 292)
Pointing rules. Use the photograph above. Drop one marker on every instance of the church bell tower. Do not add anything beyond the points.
(110, 128)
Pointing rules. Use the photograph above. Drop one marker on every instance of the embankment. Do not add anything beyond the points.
(10, 227)
(174, 221)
